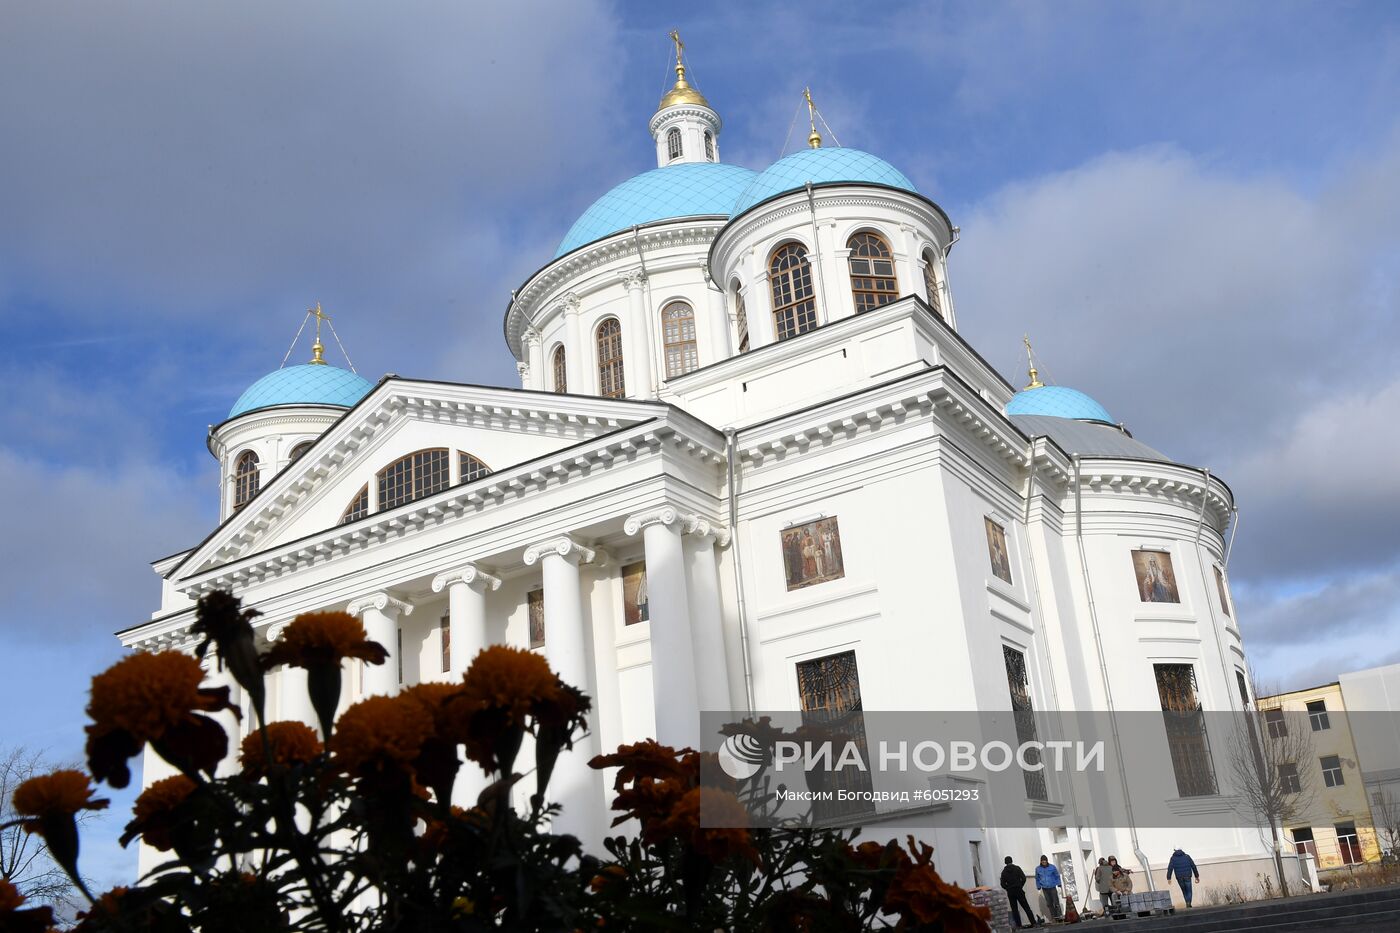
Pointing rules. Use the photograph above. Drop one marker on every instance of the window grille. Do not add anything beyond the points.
(413, 477)
(561, 378)
(611, 380)
(931, 285)
(472, 467)
(1186, 730)
(872, 272)
(245, 478)
(794, 301)
(709, 146)
(829, 689)
(358, 507)
(678, 330)
(1023, 710)
(673, 144)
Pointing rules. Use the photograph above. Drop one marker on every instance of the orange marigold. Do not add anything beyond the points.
(509, 679)
(723, 837)
(380, 733)
(14, 920)
(920, 897)
(60, 794)
(323, 638)
(291, 742)
(154, 812)
(153, 697)
(10, 898)
(608, 875)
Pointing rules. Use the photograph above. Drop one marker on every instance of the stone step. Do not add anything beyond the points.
(1373, 909)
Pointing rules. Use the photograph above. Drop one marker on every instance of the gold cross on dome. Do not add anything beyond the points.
(675, 35)
(318, 348)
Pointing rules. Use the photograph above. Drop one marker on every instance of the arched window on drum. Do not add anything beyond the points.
(931, 283)
(794, 300)
(872, 272)
(611, 379)
(678, 332)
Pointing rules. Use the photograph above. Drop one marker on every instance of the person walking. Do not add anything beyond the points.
(1047, 882)
(1184, 867)
(1103, 883)
(1013, 882)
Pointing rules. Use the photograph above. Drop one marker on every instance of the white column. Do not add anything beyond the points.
(466, 587)
(580, 358)
(534, 358)
(635, 330)
(707, 614)
(720, 344)
(574, 785)
(293, 699)
(672, 667)
(216, 675)
(758, 302)
(381, 613)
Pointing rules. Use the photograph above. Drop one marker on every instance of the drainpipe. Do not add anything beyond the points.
(1234, 527)
(730, 436)
(1103, 672)
(817, 249)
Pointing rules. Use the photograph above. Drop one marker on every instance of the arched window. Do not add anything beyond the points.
(741, 319)
(931, 284)
(300, 449)
(472, 468)
(611, 383)
(794, 302)
(872, 272)
(245, 478)
(709, 145)
(673, 144)
(358, 507)
(678, 329)
(561, 372)
(412, 477)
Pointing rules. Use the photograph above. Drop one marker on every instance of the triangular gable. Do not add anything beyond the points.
(363, 441)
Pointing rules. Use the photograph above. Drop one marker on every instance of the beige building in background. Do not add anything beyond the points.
(1338, 829)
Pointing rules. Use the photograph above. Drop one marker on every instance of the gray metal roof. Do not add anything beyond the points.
(1087, 438)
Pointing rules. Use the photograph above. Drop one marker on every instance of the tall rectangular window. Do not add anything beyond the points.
(1186, 730)
(445, 638)
(1288, 777)
(1348, 844)
(1244, 687)
(829, 689)
(1303, 841)
(1023, 710)
(1278, 726)
(1317, 715)
(1332, 771)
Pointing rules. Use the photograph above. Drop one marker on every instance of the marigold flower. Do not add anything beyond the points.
(504, 693)
(323, 638)
(607, 876)
(154, 697)
(920, 897)
(221, 618)
(62, 793)
(725, 839)
(154, 812)
(380, 733)
(292, 743)
(15, 920)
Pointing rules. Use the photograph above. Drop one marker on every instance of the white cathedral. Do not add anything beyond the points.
(751, 465)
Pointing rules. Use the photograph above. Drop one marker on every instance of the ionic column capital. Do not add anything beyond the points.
(705, 530)
(564, 546)
(471, 575)
(667, 515)
(381, 601)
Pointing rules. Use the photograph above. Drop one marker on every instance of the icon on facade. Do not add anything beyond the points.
(996, 550)
(812, 553)
(1155, 578)
(535, 601)
(634, 593)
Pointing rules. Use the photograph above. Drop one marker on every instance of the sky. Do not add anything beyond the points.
(1192, 208)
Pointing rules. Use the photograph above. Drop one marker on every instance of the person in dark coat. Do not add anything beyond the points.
(1103, 883)
(1184, 867)
(1013, 882)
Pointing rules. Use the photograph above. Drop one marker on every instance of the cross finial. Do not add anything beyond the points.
(675, 35)
(1035, 382)
(815, 140)
(318, 348)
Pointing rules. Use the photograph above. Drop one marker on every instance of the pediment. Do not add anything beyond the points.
(501, 427)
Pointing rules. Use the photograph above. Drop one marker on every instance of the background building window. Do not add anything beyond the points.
(1244, 687)
(931, 284)
(472, 468)
(872, 272)
(794, 301)
(709, 146)
(1317, 715)
(358, 507)
(245, 478)
(829, 689)
(611, 383)
(1186, 730)
(1023, 711)
(413, 477)
(1278, 726)
(300, 449)
(1288, 778)
(673, 144)
(561, 377)
(1303, 842)
(1348, 845)
(678, 330)
(1332, 771)
(741, 319)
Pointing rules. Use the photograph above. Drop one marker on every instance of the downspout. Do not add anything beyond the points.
(654, 383)
(1234, 526)
(730, 443)
(817, 248)
(1103, 672)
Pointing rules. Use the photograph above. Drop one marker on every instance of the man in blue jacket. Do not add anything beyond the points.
(1184, 868)
(1047, 881)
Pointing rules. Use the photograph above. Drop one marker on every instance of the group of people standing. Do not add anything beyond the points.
(1111, 880)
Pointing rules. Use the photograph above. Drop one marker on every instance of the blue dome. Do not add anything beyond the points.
(690, 189)
(1058, 402)
(306, 384)
(817, 166)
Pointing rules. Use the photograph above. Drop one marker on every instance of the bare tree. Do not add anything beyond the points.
(1272, 772)
(24, 860)
(1385, 810)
